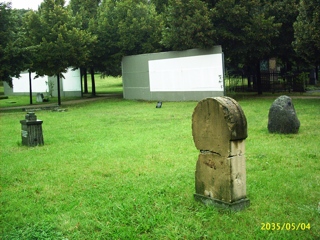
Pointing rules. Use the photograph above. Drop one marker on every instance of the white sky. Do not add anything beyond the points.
(27, 4)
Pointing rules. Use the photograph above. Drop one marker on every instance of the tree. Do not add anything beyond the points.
(85, 11)
(160, 5)
(245, 32)
(307, 32)
(22, 42)
(11, 61)
(124, 28)
(285, 13)
(55, 41)
(188, 25)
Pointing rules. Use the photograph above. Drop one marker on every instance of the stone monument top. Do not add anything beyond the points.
(216, 122)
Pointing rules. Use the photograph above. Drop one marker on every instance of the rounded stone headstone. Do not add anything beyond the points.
(282, 116)
(216, 122)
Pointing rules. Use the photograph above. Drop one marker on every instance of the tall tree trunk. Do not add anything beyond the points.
(58, 83)
(81, 75)
(93, 82)
(258, 75)
(247, 73)
(30, 87)
(85, 80)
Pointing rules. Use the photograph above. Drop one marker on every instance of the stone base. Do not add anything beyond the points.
(235, 206)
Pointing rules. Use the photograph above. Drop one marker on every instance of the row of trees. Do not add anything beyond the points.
(94, 35)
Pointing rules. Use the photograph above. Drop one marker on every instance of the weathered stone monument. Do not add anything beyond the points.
(282, 116)
(39, 97)
(31, 130)
(219, 129)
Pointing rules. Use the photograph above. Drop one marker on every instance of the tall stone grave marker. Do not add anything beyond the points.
(219, 129)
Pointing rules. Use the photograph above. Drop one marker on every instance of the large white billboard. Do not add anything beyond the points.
(195, 73)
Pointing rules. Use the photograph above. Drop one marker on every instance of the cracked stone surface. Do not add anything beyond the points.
(215, 122)
(221, 178)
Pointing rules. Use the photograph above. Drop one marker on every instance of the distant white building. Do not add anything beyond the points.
(187, 75)
(70, 85)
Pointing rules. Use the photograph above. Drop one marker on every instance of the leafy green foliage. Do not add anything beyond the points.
(96, 34)
(124, 28)
(11, 59)
(160, 5)
(307, 31)
(188, 25)
(244, 30)
(84, 10)
(55, 41)
(285, 13)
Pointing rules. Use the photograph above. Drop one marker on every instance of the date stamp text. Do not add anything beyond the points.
(285, 226)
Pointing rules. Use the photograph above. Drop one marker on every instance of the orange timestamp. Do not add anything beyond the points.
(285, 226)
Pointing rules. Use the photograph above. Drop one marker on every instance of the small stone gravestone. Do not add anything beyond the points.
(282, 116)
(31, 130)
(219, 129)
(39, 97)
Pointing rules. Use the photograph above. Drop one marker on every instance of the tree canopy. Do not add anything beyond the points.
(54, 34)
(188, 25)
(11, 58)
(98, 33)
(54, 40)
(307, 31)
(124, 28)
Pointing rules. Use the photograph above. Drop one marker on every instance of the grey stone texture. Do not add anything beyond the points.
(282, 116)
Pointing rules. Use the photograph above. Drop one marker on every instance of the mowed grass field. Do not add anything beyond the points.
(119, 169)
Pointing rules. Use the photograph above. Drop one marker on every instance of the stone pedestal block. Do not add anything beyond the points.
(219, 129)
(31, 130)
(221, 178)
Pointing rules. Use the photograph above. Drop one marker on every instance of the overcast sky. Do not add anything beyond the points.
(26, 4)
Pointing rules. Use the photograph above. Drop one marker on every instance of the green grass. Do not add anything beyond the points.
(106, 84)
(117, 169)
(16, 100)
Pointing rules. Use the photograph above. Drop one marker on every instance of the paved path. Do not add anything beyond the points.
(64, 103)
(105, 96)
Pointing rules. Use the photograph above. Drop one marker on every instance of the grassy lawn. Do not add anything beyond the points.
(118, 169)
(103, 86)
(106, 84)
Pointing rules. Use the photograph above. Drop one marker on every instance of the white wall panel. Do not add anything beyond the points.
(21, 84)
(71, 81)
(196, 73)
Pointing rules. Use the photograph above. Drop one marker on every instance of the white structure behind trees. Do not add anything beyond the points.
(70, 85)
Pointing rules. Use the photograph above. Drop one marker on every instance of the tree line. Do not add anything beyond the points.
(94, 35)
